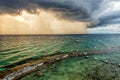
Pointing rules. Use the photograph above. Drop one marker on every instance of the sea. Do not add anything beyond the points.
(17, 48)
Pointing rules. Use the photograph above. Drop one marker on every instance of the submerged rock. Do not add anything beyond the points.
(39, 74)
(119, 65)
(86, 56)
(95, 58)
(106, 61)
(77, 41)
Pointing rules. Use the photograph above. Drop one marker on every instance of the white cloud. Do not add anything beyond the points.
(113, 29)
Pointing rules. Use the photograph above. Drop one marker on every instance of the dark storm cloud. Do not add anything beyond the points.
(68, 9)
(94, 11)
(16, 6)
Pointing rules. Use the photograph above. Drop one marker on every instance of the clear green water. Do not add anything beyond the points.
(78, 68)
(14, 49)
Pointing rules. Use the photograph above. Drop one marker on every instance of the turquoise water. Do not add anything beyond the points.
(81, 68)
(14, 49)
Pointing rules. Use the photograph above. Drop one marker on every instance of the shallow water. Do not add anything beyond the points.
(81, 68)
(14, 49)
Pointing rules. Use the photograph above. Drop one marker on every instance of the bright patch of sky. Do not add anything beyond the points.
(112, 29)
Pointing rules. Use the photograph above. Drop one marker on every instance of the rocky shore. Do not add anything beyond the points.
(22, 70)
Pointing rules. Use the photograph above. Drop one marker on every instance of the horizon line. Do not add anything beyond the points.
(57, 34)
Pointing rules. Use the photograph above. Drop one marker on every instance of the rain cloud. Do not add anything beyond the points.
(97, 12)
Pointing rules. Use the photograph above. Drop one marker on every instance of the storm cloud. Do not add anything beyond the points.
(97, 12)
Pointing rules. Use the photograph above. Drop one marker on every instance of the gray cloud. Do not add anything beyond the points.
(79, 10)
(95, 11)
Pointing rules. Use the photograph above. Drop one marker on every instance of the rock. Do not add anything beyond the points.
(45, 71)
(57, 59)
(95, 47)
(85, 53)
(119, 65)
(51, 67)
(95, 58)
(106, 61)
(73, 53)
(64, 56)
(39, 74)
(77, 41)
(86, 56)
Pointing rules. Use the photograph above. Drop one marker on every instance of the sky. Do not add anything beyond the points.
(59, 16)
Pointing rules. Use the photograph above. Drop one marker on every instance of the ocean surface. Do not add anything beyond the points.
(16, 48)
